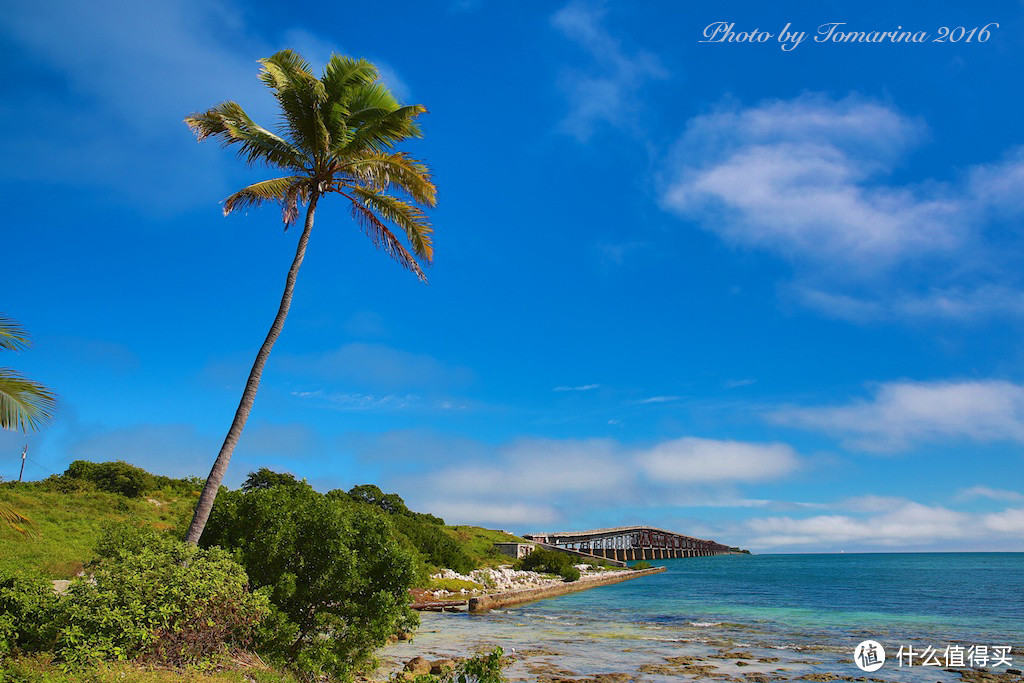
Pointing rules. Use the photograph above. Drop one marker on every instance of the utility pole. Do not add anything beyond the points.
(24, 453)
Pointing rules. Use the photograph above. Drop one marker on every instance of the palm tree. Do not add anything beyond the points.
(24, 403)
(337, 135)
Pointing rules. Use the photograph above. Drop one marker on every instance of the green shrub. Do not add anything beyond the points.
(642, 564)
(150, 597)
(155, 598)
(337, 574)
(265, 478)
(438, 548)
(570, 573)
(115, 477)
(27, 602)
(551, 562)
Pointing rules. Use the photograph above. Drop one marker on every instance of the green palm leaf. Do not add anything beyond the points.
(17, 521)
(24, 403)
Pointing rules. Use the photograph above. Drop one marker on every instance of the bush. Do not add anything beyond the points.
(642, 564)
(337, 575)
(27, 602)
(551, 562)
(150, 597)
(155, 598)
(115, 477)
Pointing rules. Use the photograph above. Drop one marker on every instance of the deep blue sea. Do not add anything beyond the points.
(809, 611)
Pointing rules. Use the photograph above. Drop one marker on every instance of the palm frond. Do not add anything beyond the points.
(274, 189)
(232, 126)
(12, 336)
(381, 171)
(384, 239)
(17, 521)
(370, 101)
(24, 403)
(301, 96)
(380, 132)
(409, 218)
(344, 73)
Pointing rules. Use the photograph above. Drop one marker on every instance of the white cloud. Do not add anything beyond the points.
(1010, 521)
(539, 467)
(796, 177)
(809, 180)
(607, 93)
(568, 479)
(908, 525)
(660, 399)
(902, 414)
(705, 460)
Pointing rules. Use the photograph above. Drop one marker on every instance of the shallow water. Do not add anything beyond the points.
(809, 611)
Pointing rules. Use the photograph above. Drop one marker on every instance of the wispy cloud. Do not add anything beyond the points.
(357, 401)
(660, 399)
(990, 493)
(139, 68)
(901, 415)
(581, 387)
(606, 93)
(737, 383)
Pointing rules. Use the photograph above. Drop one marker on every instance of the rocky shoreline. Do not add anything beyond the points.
(542, 666)
(543, 649)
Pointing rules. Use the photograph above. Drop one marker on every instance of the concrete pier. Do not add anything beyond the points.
(487, 602)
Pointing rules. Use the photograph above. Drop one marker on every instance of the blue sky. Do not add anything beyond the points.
(768, 297)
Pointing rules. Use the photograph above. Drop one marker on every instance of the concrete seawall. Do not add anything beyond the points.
(487, 602)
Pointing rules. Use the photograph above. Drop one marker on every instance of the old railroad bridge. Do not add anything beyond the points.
(625, 543)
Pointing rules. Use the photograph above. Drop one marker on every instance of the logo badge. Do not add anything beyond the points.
(869, 655)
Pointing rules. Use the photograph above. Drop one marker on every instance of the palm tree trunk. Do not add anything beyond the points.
(220, 465)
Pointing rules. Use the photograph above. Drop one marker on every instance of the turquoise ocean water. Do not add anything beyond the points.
(809, 611)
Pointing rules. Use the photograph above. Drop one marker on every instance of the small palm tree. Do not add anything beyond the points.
(337, 135)
(24, 403)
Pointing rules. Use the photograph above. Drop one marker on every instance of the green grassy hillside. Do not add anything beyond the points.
(478, 543)
(67, 525)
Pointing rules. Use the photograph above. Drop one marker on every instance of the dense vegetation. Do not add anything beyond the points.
(329, 565)
(551, 562)
(148, 597)
(314, 582)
